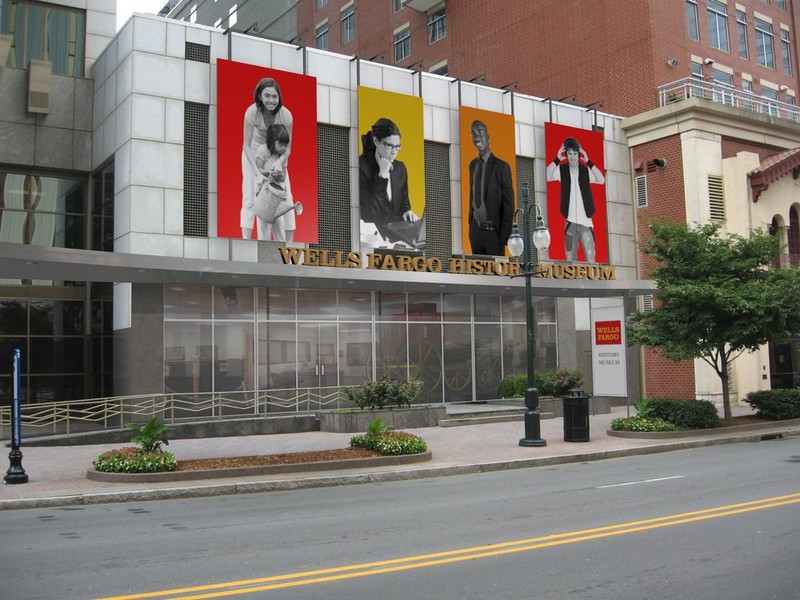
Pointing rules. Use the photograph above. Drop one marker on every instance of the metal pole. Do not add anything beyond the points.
(533, 436)
(15, 473)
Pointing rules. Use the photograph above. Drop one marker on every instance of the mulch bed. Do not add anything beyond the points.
(202, 464)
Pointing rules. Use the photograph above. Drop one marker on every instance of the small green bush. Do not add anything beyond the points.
(384, 392)
(382, 439)
(150, 435)
(776, 404)
(638, 423)
(684, 414)
(135, 460)
(556, 382)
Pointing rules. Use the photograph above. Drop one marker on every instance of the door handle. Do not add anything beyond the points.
(323, 370)
(316, 370)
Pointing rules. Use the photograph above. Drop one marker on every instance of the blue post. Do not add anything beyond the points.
(15, 473)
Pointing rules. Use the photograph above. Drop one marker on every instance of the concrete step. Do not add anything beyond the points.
(483, 418)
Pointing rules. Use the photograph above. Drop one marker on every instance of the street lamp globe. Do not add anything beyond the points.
(541, 235)
(515, 244)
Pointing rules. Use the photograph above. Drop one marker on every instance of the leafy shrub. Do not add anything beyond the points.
(383, 392)
(382, 439)
(135, 460)
(507, 387)
(556, 382)
(150, 435)
(638, 423)
(684, 414)
(776, 404)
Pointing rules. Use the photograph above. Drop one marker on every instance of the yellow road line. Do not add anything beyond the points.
(289, 580)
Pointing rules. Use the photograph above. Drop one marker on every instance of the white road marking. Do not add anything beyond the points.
(613, 485)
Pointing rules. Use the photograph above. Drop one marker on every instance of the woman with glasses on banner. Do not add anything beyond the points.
(267, 110)
(383, 184)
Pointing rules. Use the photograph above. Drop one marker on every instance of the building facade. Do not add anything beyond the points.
(197, 310)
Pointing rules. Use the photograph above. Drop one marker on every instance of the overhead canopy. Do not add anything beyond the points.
(19, 261)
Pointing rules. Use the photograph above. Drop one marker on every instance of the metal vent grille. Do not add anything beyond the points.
(195, 169)
(641, 191)
(438, 215)
(334, 187)
(198, 52)
(716, 198)
(647, 303)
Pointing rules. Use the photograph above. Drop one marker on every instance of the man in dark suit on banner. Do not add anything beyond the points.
(491, 198)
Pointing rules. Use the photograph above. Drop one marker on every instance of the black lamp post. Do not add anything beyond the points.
(516, 246)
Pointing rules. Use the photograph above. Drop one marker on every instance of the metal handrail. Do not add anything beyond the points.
(79, 416)
(690, 87)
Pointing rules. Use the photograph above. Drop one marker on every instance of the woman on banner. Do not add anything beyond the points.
(383, 180)
(267, 110)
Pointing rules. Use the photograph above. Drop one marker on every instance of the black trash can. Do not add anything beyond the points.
(576, 416)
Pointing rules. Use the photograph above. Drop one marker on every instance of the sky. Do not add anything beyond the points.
(125, 8)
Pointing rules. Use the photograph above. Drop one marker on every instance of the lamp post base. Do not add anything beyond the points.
(533, 434)
(15, 473)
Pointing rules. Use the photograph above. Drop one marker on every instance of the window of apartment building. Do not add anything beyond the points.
(398, 4)
(786, 52)
(44, 32)
(764, 43)
(741, 29)
(321, 36)
(440, 68)
(747, 86)
(320, 4)
(771, 108)
(233, 15)
(348, 19)
(437, 25)
(721, 94)
(718, 25)
(402, 43)
(691, 15)
(781, 4)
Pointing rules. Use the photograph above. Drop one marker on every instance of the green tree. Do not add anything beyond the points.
(717, 297)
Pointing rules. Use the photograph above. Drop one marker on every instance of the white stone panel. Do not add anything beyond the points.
(122, 120)
(176, 40)
(124, 42)
(340, 105)
(102, 24)
(198, 85)
(250, 50)
(148, 118)
(110, 97)
(195, 247)
(156, 164)
(490, 99)
(173, 212)
(323, 103)
(99, 101)
(219, 248)
(150, 35)
(287, 58)
(212, 171)
(436, 90)
(212, 215)
(173, 121)
(523, 109)
(371, 75)
(122, 213)
(158, 75)
(198, 35)
(244, 250)
(122, 305)
(328, 68)
(147, 209)
(124, 78)
(440, 125)
(398, 80)
(526, 145)
(156, 245)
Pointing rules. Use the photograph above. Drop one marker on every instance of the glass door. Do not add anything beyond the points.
(316, 355)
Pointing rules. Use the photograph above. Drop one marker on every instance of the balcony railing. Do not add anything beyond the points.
(683, 89)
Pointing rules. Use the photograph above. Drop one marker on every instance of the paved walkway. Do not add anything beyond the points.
(57, 474)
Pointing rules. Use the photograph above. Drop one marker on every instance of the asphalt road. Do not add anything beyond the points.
(715, 522)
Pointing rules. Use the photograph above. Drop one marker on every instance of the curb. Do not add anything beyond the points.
(299, 483)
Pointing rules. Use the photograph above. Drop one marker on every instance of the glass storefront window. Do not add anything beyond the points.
(457, 307)
(276, 304)
(277, 356)
(392, 350)
(424, 307)
(13, 317)
(425, 359)
(187, 302)
(188, 357)
(233, 303)
(487, 308)
(391, 306)
(355, 306)
(316, 305)
(457, 370)
(488, 361)
(233, 357)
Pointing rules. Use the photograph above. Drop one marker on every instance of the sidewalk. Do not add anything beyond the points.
(57, 474)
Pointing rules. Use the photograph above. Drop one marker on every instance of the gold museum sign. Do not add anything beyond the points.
(311, 257)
